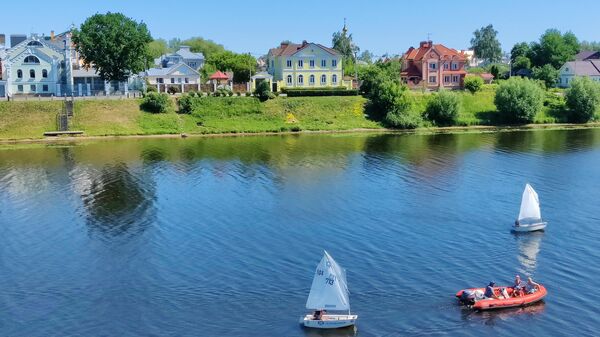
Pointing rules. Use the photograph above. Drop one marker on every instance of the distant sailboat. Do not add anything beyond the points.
(329, 292)
(530, 216)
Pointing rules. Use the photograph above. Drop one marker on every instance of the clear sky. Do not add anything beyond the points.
(381, 26)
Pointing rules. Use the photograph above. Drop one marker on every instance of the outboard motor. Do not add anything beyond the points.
(469, 297)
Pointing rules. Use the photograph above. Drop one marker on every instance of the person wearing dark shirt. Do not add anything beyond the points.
(489, 290)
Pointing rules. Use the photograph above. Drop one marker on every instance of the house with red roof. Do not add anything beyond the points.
(433, 66)
(305, 65)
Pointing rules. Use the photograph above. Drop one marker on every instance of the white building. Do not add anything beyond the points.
(179, 75)
(587, 64)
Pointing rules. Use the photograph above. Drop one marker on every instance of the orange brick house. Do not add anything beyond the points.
(433, 66)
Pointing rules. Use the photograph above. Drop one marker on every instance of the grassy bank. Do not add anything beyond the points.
(218, 115)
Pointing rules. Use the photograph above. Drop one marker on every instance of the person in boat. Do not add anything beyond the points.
(531, 286)
(518, 287)
(489, 290)
(318, 315)
(516, 223)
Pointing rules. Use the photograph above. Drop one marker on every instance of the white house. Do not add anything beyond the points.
(185, 55)
(180, 75)
(587, 63)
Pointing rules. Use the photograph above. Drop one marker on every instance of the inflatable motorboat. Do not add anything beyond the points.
(474, 298)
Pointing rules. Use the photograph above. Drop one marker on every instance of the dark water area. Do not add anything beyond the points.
(220, 237)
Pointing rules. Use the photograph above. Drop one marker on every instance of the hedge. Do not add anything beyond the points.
(319, 92)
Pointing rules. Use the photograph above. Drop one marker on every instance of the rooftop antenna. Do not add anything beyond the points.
(428, 36)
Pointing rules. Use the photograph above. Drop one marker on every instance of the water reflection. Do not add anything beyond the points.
(529, 247)
(118, 201)
(494, 317)
(350, 331)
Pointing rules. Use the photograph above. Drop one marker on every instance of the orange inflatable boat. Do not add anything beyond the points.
(509, 302)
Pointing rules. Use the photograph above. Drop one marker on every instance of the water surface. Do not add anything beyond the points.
(220, 237)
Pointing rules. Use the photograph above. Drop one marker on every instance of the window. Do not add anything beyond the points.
(334, 79)
(432, 79)
(334, 63)
(300, 79)
(19, 73)
(272, 64)
(289, 79)
(311, 63)
(323, 79)
(45, 73)
(446, 79)
(567, 69)
(32, 59)
(323, 63)
(311, 79)
(432, 66)
(454, 66)
(159, 80)
(193, 65)
(172, 80)
(32, 73)
(187, 80)
(45, 88)
(32, 87)
(455, 79)
(446, 66)
(35, 44)
(300, 64)
(20, 88)
(289, 63)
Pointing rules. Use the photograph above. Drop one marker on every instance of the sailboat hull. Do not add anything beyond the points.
(329, 321)
(530, 227)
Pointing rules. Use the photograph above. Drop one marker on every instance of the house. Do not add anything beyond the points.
(36, 67)
(305, 65)
(471, 60)
(179, 75)
(588, 68)
(185, 55)
(486, 77)
(587, 55)
(433, 66)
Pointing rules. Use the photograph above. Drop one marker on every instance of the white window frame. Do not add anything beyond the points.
(454, 66)
(300, 79)
(334, 79)
(334, 63)
(447, 78)
(432, 66)
(288, 63)
(323, 79)
(434, 79)
(455, 78)
(300, 64)
(311, 63)
(323, 63)
(290, 79)
(311, 80)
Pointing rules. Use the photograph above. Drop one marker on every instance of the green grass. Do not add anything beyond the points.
(29, 119)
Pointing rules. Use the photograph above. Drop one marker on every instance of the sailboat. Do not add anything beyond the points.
(530, 216)
(329, 292)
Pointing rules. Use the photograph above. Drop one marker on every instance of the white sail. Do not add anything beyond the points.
(329, 289)
(530, 205)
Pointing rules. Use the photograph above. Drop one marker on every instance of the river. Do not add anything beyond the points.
(221, 236)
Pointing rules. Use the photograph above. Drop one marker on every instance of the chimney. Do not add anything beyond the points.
(425, 44)
(52, 36)
(284, 44)
(304, 43)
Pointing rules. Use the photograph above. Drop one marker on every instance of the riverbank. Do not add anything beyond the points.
(26, 121)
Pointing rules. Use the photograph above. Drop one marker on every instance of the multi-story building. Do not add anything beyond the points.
(305, 65)
(185, 55)
(433, 66)
(586, 64)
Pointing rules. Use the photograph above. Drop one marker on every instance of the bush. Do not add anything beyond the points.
(518, 100)
(263, 91)
(186, 103)
(156, 102)
(392, 98)
(320, 92)
(443, 108)
(473, 83)
(248, 94)
(547, 74)
(582, 100)
(173, 90)
(151, 88)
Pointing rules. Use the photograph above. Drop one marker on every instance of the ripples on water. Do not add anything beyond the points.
(220, 237)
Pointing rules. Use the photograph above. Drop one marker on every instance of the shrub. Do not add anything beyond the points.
(248, 94)
(320, 92)
(151, 88)
(518, 100)
(186, 103)
(156, 102)
(473, 83)
(173, 90)
(263, 91)
(238, 94)
(443, 108)
(582, 100)
(547, 74)
(392, 98)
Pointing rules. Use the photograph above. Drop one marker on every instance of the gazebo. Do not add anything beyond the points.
(217, 78)
(259, 77)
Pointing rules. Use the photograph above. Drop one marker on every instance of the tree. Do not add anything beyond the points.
(486, 45)
(204, 46)
(366, 56)
(114, 44)
(519, 99)
(242, 65)
(263, 91)
(589, 45)
(156, 102)
(157, 48)
(342, 42)
(547, 74)
(520, 49)
(583, 100)
(473, 83)
(554, 48)
(521, 62)
(443, 108)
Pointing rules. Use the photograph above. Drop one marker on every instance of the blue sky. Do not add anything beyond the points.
(380, 26)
